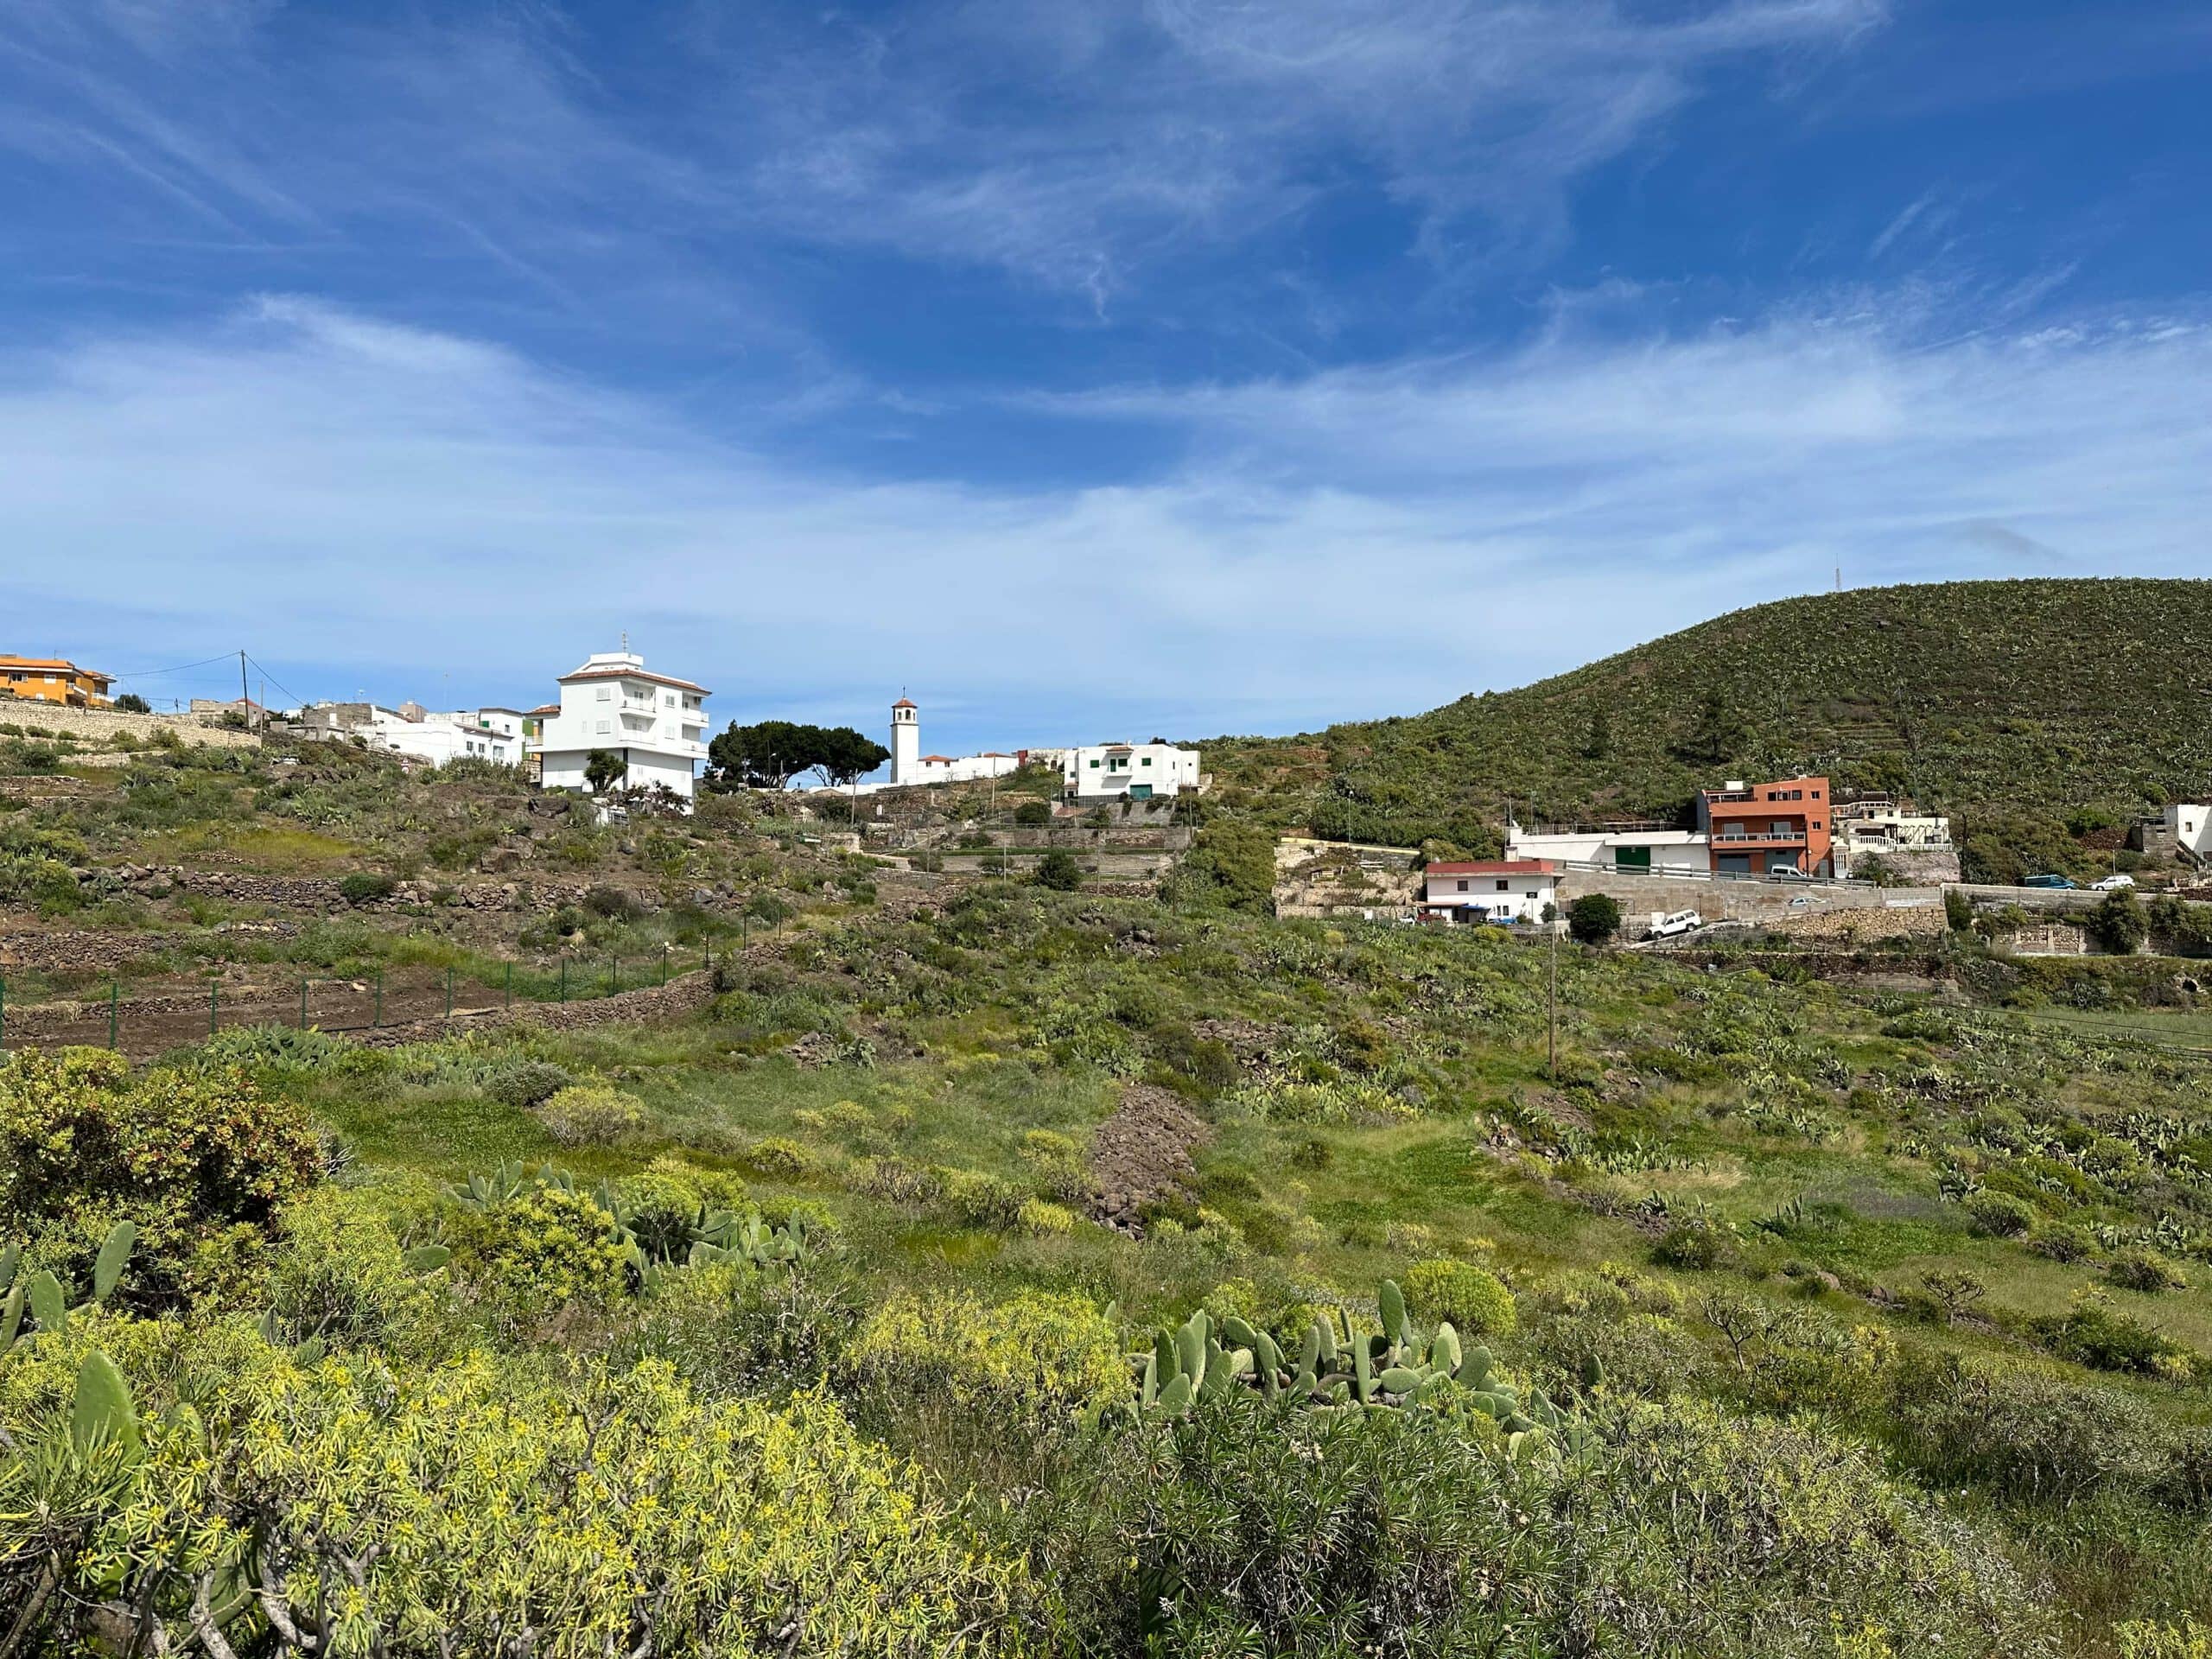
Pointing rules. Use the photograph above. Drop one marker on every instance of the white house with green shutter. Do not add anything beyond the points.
(1136, 772)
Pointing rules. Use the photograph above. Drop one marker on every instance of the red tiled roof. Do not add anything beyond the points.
(936, 760)
(545, 708)
(631, 674)
(903, 702)
(1495, 867)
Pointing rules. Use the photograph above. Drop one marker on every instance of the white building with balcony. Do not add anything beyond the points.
(1139, 771)
(656, 724)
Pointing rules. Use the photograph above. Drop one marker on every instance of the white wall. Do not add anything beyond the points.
(661, 728)
(1522, 897)
(2191, 824)
(1670, 849)
(1086, 773)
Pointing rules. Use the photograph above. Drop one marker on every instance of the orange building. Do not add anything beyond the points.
(51, 679)
(1758, 828)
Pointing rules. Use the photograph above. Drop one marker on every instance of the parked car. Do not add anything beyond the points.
(2112, 884)
(1786, 873)
(1683, 921)
(2045, 881)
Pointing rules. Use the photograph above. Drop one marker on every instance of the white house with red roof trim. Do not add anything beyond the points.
(656, 723)
(1489, 889)
(910, 766)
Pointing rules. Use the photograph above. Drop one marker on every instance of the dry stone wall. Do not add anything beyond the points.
(105, 725)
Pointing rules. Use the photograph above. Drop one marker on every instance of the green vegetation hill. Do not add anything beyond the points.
(2017, 706)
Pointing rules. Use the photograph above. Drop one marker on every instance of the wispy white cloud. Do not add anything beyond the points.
(380, 499)
(1077, 143)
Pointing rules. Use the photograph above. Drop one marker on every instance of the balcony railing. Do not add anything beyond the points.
(1761, 837)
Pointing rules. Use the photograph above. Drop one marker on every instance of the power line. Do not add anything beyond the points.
(150, 673)
(296, 698)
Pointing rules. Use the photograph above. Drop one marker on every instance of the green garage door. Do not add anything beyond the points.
(1631, 858)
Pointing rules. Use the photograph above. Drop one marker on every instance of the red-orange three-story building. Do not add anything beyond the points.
(1757, 829)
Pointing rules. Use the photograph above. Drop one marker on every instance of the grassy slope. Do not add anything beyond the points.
(1979, 698)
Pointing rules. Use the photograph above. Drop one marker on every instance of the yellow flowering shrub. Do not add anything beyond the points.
(1036, 1355)
(475, 1509)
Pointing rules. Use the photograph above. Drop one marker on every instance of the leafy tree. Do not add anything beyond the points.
(131, 703)
(2118, 923)
(840, 754)
(1059, 870)
(1594, 917)
(769, 754)
(604, 769)
(1033, 812)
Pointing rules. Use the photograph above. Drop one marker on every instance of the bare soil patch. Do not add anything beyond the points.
(1143, 1153)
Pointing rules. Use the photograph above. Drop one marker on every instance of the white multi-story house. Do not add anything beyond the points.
(1137, 770)
(656, 724)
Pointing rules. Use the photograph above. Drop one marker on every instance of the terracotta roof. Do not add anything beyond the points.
(903, 702)
(936, 760)
(63, 663)
(631, 674)
(545, 708)
(1495, 867)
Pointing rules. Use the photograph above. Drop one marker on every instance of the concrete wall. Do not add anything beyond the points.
(1642, 896)
(103, 725)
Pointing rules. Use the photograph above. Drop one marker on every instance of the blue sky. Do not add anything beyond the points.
(1083, 369)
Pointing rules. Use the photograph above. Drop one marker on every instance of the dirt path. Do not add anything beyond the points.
(1142, 1153)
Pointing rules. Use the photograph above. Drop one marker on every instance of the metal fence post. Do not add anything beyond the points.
(663, 967)
(377, 1018)
(564, 979)
(303, 1005)
(448, 992)
(110, 1013)
(3, 1010)
(614, 974)
(214, 990)
(507, 989)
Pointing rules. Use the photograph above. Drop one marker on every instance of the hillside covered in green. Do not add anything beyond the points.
(2017, 707)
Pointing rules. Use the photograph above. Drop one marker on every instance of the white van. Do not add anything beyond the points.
(1681, 922)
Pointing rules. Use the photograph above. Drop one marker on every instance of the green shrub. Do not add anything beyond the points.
(778, 1158)
(337, 1273)
(2000, 1214)
(1038, 1357)
(1475, 1301)
(187, 1155)
(592, 1115)
(618, 1509)
(2062, 1243)
(542, 1251)
(2092, 1333)
(526, 1083)
(363, 887)
(1696, 1246)
(1594, 917)
(1059, 870)
(1034, 813)
(2143, 1270)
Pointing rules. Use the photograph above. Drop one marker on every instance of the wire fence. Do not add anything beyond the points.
(150, 1017)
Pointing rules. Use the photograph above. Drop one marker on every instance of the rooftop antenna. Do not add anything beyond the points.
(626, 642)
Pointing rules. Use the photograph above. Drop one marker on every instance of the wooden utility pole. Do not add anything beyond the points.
(1551, 1033)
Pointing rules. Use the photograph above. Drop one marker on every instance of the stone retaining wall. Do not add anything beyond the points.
(656, 1003)
(105, 725)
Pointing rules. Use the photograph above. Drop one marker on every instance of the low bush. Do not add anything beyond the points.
(2143, 1270)
(1038, 1358)
(1475, 1301)
(2000, 1214)
(592, 1115)
(364, 887)
(526, 1083)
